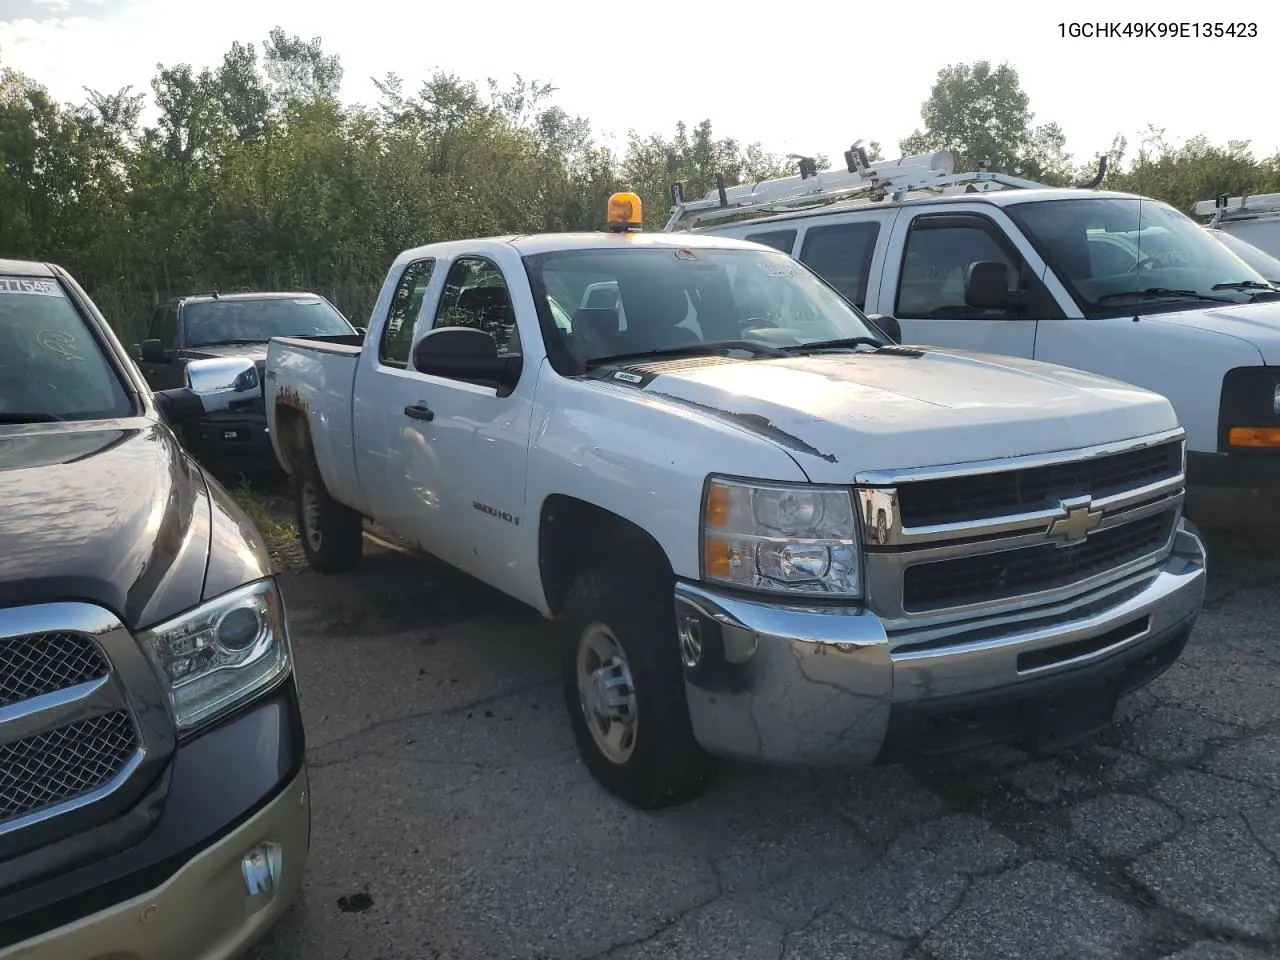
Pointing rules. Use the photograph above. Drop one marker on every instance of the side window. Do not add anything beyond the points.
(397, 335)
(476, 295)
(841, 254)
(937, 254)
(782, 240)
(164, 326)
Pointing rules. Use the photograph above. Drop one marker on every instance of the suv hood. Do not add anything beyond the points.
(115, 513)
(1255, 323)
(841, 414)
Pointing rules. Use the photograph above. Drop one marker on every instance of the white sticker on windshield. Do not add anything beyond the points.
(777, 268)
(37, 286)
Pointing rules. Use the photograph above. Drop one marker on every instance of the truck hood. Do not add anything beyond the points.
(257, 352)
(114, 513)
(1255, 323)
(841, 414)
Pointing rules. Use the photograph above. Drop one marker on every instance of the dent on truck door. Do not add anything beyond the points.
(931, 255)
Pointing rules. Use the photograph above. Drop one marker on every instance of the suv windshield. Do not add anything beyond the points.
(1113, 253)
(51, 365)
(211, 322)
(1264, 263)
(667, 300)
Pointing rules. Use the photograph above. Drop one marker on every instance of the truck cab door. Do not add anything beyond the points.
(164, 328)
(924, 283)
(455, 451)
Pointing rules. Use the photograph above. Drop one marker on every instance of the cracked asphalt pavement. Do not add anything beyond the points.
(453, 820)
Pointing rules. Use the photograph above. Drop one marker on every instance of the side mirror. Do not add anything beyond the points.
(465, 353)
(178, 405)
(986, 287)
(153, 352)
(889, 326)
(222, 382)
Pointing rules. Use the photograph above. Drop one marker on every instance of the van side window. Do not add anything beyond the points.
(841, 254)
(934, 262)
(782, 240)
(397, 335)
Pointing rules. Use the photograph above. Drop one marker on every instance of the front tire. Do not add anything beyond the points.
(331, 533)
(625, 692)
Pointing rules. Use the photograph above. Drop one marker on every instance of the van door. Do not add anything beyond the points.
(847, 250)
(924, 283)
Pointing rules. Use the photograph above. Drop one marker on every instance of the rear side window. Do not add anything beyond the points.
(52, 367)
(782, 240)
(397, 335)
(841, 254)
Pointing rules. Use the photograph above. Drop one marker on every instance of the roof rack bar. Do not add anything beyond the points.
(788, 194)
(1244, 204)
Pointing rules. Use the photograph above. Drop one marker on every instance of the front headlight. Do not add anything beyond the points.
(767, 536)
(221, 653)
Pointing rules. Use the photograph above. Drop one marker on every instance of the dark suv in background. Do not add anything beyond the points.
(153, 784)
(229, 327)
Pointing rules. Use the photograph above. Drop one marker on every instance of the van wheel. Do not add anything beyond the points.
(331, 533)
(625, 693)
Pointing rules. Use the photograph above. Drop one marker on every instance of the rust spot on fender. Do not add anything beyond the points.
(288, 397)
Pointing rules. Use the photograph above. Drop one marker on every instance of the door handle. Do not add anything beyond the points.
(419, 411)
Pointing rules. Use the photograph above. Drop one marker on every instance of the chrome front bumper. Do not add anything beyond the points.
(828, 685)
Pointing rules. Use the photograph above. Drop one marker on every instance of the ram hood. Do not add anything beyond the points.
(114, 513)
(1255, 323)
(841, 414)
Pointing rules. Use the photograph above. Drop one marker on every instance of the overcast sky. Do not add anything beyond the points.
(799, 78)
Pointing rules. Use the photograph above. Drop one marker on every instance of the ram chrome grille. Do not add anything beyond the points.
(980, 495)
(985, 577)
(51, 768)
(41, 663)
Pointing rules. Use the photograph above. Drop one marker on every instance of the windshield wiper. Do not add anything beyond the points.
(223, 343)
(1163, 292)
(835, 344)
(28, 417)
(1244, 285)
(692, 349)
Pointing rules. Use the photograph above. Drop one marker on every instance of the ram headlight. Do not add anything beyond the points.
(773, 537)
(221, 653)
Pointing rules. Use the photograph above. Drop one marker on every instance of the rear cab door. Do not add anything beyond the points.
(922, 283)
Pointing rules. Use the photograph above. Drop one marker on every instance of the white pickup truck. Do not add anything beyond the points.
(1115, 284)
(765, 531)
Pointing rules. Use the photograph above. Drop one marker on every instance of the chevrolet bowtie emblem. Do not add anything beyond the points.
(1079, 517)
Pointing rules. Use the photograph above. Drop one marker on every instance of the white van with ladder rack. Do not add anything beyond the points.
(1111, 283)
(1253, 219)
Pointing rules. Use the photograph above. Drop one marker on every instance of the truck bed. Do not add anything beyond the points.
(313, 378)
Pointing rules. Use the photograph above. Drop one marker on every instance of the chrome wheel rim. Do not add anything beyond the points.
(607, 693)
(311, 515)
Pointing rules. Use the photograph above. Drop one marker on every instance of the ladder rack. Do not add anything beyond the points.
(1233, 207)
(810, 188)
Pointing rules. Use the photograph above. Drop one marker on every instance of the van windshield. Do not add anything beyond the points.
(1115, 253)
(51, 365)
(620, 302)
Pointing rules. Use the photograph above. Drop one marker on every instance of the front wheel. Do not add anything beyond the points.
(331, 533)
(625, 692)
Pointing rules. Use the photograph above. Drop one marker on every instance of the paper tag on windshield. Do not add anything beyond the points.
(777, 268)
(37, 286)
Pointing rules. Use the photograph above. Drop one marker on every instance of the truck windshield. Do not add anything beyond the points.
(1264, 263)
(51, 365)
(212, 322)
(1115, 253)
(663, 299)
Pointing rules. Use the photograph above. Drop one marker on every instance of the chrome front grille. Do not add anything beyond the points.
(43, 663)
(69, 735)
(981, 539)
(966, 497)
(977, 578)
(50, 768)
